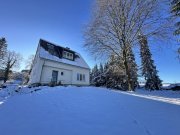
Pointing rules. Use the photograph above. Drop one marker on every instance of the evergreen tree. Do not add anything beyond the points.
(101, 68)
(101, 78)
(94, 74)
(149, 71)
(91, 77)
(3, 48)
(106, 66)
(176, 11)
(114, 74)
(96, 71)
(133, 70)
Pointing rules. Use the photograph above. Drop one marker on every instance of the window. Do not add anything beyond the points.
(71, 55)
(52, 50)
(84, 79)
(67, 55)
(62, 73)
(81, 77)
(78, 77)
(64, 54)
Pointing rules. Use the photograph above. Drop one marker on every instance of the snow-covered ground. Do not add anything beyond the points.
(87, 111)
(167, 96)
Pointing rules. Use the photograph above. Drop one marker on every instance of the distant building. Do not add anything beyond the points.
(57, 64)
(25, 71)
(1, 80)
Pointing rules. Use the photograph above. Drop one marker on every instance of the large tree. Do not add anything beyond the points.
(176, 11)
(115, 27)
(149, 71)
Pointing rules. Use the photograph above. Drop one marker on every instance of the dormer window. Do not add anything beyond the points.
(67, 55)
(52, 50)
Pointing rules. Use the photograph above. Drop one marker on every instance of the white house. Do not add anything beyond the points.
(57, 64)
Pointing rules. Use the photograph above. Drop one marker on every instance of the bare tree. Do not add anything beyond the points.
(29, 62)
(29, 65)
(175, 9)
(115, 27)
(11, 60)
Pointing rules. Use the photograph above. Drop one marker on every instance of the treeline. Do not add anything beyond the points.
(8, 60)
(11, 61)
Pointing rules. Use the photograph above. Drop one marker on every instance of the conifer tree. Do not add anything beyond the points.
(94, 74)
(91, 77)
(133, 70)
(96, 71)
(101, 78)
(149, 70)
(101, 68)
(106, 67)
(115, 74)
(3, 48)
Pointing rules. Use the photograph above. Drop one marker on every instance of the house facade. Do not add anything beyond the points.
(57, 64)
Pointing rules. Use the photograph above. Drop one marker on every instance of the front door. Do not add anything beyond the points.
(54, 76)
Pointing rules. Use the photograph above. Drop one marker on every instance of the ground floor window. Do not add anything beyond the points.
(62, 73)
(81, 77)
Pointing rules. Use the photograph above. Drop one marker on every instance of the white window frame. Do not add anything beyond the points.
(81, 77)
(67, 55)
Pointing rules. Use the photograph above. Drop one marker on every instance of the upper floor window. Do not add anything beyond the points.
(52, 50)
(67, 55)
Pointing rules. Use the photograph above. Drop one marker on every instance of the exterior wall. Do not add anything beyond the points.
(70, 73)
(36, 70)
(46, 77)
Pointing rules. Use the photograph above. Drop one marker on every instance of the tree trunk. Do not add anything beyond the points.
(6, 73)
(130, 88)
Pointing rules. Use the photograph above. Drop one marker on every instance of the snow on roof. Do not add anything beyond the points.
(78, 61)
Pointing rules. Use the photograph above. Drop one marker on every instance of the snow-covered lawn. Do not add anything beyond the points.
(87, 111)
(167, 96)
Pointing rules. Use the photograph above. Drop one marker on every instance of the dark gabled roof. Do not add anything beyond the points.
(57, 50)
(45, 44)
(54, 52)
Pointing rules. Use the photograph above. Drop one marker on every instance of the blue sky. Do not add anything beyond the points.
(24, 22)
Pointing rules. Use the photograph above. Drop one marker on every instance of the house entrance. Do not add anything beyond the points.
(54, 76)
